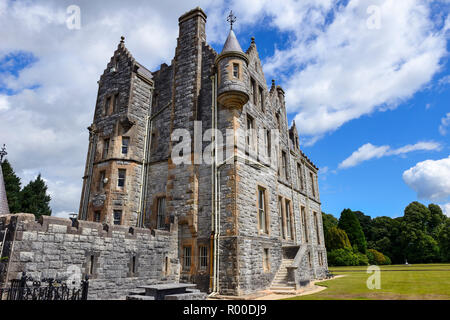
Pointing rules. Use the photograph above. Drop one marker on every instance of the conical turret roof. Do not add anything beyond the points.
(232, 44)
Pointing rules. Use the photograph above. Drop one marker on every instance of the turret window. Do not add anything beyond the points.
(236, 70)
(125, 144)
(105, 148)
(121, 178)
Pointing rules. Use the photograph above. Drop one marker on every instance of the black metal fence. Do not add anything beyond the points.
(26, 288)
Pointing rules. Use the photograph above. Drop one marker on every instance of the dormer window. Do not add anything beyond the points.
(236, 70)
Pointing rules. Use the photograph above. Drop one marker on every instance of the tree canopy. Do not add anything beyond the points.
(350, 224)
(12, 186)
(33, 198)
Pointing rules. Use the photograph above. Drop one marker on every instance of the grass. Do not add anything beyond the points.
(398, 282)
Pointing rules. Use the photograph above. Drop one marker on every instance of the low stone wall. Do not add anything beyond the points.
(117, 259)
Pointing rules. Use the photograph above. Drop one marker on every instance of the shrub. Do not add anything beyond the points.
(362, 259)
(377, 258)
(342, 257)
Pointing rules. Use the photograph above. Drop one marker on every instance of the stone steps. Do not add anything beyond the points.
(280, 282)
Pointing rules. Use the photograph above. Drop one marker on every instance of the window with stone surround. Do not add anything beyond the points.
(107, 106)
(121, 178)
(280, 210)
(262, 211)
(254, 92)
(236, 70)
(117, 217)
(299, 176)
(277, 116)
(304, 224)
(105, 148)
(316, 224)
(313, 189)
(203, 257)
(125, 144)
(161, 213)
(284, 165)
(261, 98)
(97, 215)
(166, 266)
(268, 144)
(116, 103)
(187, 258)
(250, 132)
(290, 234)
(266, 260)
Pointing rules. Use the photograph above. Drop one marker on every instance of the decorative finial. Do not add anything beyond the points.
(273, 83)
(122, 39)
(253, 39)
(3, 153)
(231, 19)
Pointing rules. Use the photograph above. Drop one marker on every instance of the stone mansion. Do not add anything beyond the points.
(248, 220)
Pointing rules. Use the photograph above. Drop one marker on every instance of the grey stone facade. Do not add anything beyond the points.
(122, 258)
(208, 217)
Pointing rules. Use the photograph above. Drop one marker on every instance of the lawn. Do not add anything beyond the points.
(421, 281)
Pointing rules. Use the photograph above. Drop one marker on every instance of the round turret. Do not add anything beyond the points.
(233, 78)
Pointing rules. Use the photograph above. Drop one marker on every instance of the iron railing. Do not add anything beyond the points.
(26, 288)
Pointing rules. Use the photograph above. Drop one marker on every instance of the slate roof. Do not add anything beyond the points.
(232, 44)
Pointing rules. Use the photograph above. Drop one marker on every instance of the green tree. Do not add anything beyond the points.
(350, 224)
(416, 241)
(34, 198)
(444, 241)
(437, 220)
(336, 238)
(366, 224)
(328, 221)
(12, 186)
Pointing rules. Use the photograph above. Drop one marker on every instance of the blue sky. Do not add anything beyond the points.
(368, 83)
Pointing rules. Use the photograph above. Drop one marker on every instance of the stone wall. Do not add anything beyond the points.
(54, 247)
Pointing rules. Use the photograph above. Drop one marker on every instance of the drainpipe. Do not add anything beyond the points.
(140, 222)
(87, 185)
(145, 163)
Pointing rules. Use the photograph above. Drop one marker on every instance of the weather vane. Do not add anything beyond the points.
(3, 153)
(231, 19)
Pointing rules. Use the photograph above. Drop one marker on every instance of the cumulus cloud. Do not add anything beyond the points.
(369, 151)
(446, 209)
(340, 71)
(4, 103)
(430, 179)
(445, 122)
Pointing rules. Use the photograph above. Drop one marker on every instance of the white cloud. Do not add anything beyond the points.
(430, 179)
(364, 153)
(4, 103)
(369, 151)
(446, 209)
(445, 122)
(344, 70)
